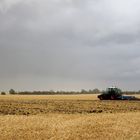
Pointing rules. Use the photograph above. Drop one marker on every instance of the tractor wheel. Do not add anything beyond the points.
(101, 98)
(112, 98)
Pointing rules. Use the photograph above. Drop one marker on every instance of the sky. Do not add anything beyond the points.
(69, 44)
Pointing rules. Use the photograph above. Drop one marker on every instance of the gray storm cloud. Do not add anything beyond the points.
(69, 44)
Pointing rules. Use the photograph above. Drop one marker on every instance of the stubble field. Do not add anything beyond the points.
(67, 117)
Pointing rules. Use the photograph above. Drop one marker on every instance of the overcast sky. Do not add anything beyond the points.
(69, 44)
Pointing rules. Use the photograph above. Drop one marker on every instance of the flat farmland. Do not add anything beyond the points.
(67, 117)
(51, 97)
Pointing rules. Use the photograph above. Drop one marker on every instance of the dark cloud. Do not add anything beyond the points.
(69, 44)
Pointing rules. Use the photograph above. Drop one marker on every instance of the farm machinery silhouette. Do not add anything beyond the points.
(114, 93)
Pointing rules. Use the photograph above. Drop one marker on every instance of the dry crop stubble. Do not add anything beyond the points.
(73, 126)
(68, 117)
(50, 97)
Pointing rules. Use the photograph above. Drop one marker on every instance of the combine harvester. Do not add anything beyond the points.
(113, 93)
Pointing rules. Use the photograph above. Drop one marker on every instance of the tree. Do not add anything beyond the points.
(12, 91)
(96, 90)
(83, 91)
(3, 93)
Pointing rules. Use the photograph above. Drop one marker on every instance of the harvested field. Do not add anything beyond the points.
(50, 97)
(70, 127)
(34, 107)
(68, 117)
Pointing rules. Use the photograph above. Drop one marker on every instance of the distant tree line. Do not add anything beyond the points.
(131, 92)
(51, 92)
